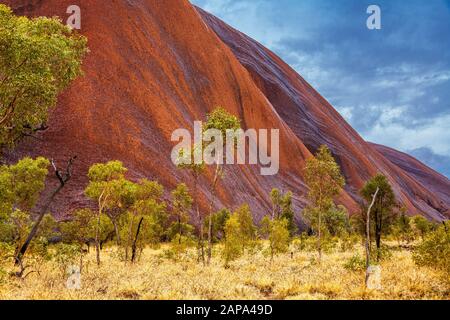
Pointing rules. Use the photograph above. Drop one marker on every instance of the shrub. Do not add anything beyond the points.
(279, 236)
(349, 241)
(355, 263)
(180, 244)
(233, 239)
(434, 251)
(66, 255)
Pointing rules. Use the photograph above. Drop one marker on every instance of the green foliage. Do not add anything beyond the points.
(277, 232)
(383, 253)
(145, 222)
(233, 239)
(104, 225)
(80, 228)
(101, 172)
(323, 177)
(108, 186)
(114, 194)
(222, 120)
(325, 181)
(434, 251)
(349, 241)
(176, 228)
(47, 228)
(336, 221)
(275, 196)
(150, 206)
(6, 251)
(246, 226)
(181, 204)
(180, 244)
(421, 226)
(219, 220)
(304, 242)
(22, 183)
(66, 255)
(20, 187)
(382, 214)
(282, 208)
(38, 58)
(264, 228)
(355, 263)
(186, 160)
(402, 230)
(279, 236)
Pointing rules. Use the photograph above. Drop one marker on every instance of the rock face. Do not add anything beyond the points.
(156, 66)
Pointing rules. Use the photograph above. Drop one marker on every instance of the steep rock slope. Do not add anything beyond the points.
(432, 180)
(156, 66)
(316, 122)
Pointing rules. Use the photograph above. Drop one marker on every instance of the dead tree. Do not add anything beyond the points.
(133, 248)
(368, 235)
(63, 178)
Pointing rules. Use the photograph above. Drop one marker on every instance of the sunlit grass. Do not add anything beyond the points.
(250, 277)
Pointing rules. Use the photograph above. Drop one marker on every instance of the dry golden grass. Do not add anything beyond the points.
(251, 277)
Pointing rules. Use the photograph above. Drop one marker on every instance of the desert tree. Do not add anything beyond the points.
(282, 208)
(336, 221)
(287, 212)
(62, 177)
(78, 229)
(277, 232)
(246, 225)
(186, 160)
(275, 196)
(222, 121)
(38, 59)
(382, 214)
(219, 220)
(434, 251)
(146, 218)
(112, 192)
(421, 225)
(233, 239)
(81, 229)
(402, 228)
(325, 181)
(367, 229)
(279, 236)
(181, 204)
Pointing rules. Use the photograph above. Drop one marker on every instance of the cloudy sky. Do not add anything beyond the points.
(392, 85)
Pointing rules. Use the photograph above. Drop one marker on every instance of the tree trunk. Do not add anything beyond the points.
(201, 247)
(63, 179)
(368, 236)
(130, 231)
(179, 229)
(35, 228)
(97, 240)
(116, 230)
(319, 244)
(216, 177)
(133, 249)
